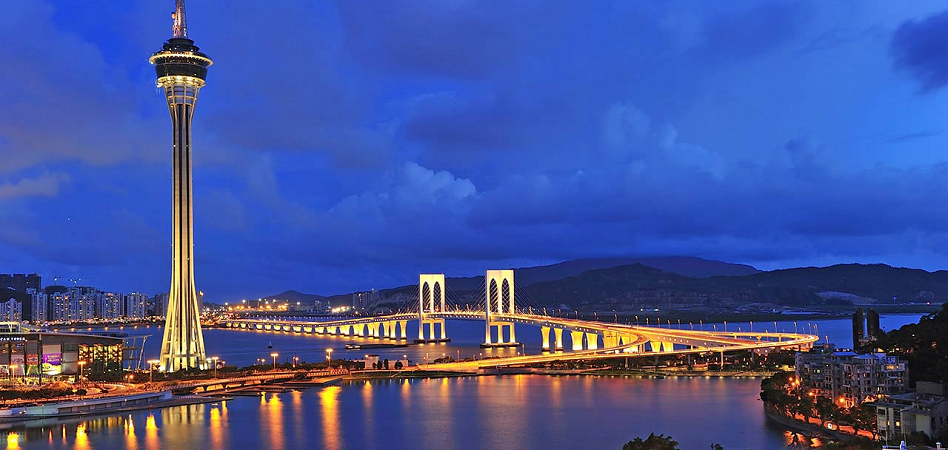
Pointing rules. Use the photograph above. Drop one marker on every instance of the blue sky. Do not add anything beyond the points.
(350, 145)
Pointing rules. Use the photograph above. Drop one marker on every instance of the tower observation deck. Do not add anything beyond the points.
(182, 70)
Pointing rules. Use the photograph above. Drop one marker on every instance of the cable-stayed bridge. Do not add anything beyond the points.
(500, 310)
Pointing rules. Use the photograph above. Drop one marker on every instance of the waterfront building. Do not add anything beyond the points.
(925, 410)
(182, 70)
(136, 305)
(11, 311)
(851, 378)
(108, 305)
(872, 325)
(52, 354)
(160, 304)
(81, 304)
(360, 300)
(859, 328)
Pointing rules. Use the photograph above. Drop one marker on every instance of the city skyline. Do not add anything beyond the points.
(392, 153)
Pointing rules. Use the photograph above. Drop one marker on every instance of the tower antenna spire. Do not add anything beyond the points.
(180, 27)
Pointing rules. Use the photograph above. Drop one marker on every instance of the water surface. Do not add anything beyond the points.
(516, 412)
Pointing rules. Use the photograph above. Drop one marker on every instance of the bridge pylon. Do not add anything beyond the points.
(499, 300)
(431, 295)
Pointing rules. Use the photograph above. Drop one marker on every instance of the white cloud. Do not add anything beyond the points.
(46, 185)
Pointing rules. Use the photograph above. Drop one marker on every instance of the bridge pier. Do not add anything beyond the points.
(577, 338)
(499, 300)
(610, 339)
(344, 330)
(558, 337)
(404, 325)
(592, 341)
(545, 337)
(512, 336)
(662, 347)
(432, 332)
(431, 296)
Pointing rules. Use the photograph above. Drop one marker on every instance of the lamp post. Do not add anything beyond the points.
(12, 370)
(329, 358)
(151, 369)
(296, 359)
(215, 358)
(81, 365)
(274, 355)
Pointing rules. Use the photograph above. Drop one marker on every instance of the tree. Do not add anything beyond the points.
(398, 365)
(917, 440)
(826, 409)
(386, 363)
(805, 407)
(652, 442)
(862, 417)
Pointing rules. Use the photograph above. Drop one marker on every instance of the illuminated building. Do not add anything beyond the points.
(181, 70)
(11, 311)
(925, 411)
(851, 378)
(29, 353)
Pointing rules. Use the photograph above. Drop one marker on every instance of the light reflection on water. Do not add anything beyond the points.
(329, 402)
(521, 411)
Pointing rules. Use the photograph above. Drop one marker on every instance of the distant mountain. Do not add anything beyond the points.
(636, 284)
(680, 282)
(294, 296)
(681, 265)
(874, 281)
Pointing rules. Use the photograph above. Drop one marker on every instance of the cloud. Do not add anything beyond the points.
(46, 185)
(754, 31)
(340, 145)
(70, 102)
(918, 48)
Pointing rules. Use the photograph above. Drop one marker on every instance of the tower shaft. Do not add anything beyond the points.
(182, 346)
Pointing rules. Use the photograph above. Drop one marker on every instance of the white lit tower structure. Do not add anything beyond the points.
(181, 70)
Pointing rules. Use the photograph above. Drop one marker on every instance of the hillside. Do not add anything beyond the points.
(682, 265)
(638, 286)
(684, 283)
(294, 296)
(924, 345)
(875, 281)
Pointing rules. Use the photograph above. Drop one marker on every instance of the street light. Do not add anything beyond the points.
(81, 364)
(274, 355)
(151, 369)
(12, 370)
(215, 358)
(329, 358)
(296, 359)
